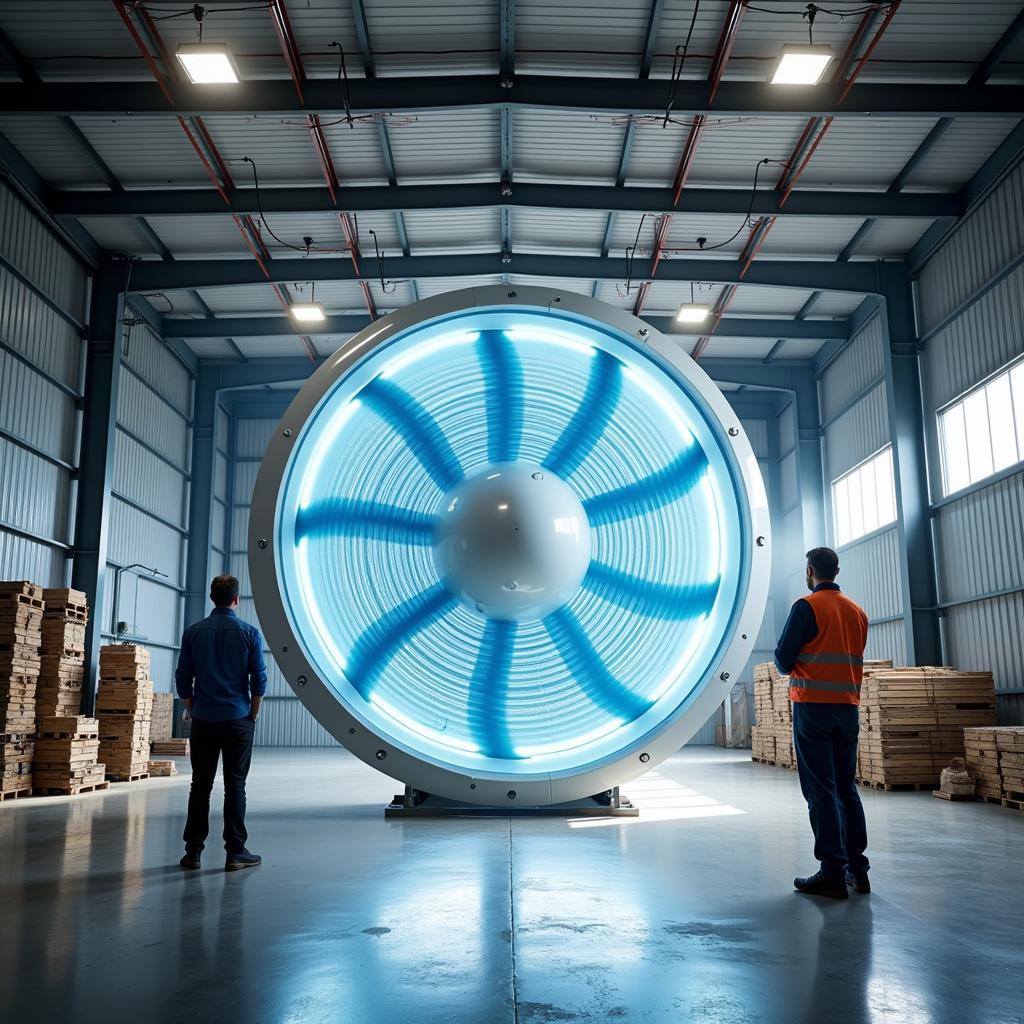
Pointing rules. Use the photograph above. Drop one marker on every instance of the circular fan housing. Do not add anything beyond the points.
(510, 545)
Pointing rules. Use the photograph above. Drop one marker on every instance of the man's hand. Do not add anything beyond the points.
(254, 707)
(188, 708)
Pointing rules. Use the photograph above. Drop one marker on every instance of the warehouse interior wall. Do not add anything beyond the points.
(44, 319)
(854, 427)
(43, 308)
(970, 312)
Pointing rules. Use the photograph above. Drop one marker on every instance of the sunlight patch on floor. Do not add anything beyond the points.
(662, 799)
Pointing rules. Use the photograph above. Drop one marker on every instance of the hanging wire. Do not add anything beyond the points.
(308, 245)
(678, 62)
(702, 245)
(387, 287)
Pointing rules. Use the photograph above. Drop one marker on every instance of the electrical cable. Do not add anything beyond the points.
(305, 249)
(678, 61)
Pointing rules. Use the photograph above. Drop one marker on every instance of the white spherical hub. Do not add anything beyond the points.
(512, 541)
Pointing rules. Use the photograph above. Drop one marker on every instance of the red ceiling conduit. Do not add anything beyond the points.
(723, 51)
(802, 152)
(293, 58)
(201, 141)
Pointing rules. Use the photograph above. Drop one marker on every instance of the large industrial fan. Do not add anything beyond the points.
(510, 546)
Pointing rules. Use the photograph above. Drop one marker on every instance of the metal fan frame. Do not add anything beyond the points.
(494, 789)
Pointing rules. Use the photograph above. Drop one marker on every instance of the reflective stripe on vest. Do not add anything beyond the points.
(821, 684)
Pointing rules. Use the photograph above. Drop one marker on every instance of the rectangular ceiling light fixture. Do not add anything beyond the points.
(208, 63)
(307, 312)
(801, 65)
(692, 313)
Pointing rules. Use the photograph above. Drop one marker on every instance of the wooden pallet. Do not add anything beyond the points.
(899, 786)
(92, 787)
(14, 794)
(129, 778)
(952, 796)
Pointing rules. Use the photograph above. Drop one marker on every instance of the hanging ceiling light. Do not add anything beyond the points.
(208, 63)
(801, 64)
(311, 312)
(692, 312)
(307, 312)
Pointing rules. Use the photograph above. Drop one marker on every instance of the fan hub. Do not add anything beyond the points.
(512, 541)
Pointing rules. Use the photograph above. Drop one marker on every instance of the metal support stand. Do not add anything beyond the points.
(414, 803)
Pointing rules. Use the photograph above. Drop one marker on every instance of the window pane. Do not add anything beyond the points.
(841, 510)
(954, 449)
(979, 447)
(1000, 419)
(885, 487)
(867, 484)
(1017, 388)
(856, 507)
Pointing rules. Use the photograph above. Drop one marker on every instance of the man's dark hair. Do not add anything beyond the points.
(824, 563)
(223, 590)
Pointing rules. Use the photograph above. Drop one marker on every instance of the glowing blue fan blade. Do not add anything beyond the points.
(488, 690)
(650, 493)
(504, 396)
(379, 644)
(584, 430)
(345, 517)
(425, 438)
(589, 671)
(654, 600)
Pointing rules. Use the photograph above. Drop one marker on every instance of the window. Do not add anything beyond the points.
(983, 432)
(864, 499)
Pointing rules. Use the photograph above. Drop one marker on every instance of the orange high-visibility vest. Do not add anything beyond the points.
(829, 669)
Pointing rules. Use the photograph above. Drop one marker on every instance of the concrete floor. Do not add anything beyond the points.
(684, 915)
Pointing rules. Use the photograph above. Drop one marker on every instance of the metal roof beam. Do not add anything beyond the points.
(867, 277)
(366, 198)
(981, 75)
(348, 324)
(566, 92)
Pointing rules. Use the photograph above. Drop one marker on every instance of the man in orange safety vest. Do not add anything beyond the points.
(822, 651)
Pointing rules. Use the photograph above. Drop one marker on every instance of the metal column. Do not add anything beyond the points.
(99, 416)
(200, 501)
(906, 424)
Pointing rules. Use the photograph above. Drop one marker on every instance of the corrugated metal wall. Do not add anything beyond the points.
(149, 498)
(43, 292)
(970, 307)
(855, 418)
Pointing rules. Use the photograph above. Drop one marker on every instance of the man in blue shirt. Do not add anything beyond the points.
(222, 678)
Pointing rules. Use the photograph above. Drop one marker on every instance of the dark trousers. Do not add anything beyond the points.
(208, 742)
(825, 738)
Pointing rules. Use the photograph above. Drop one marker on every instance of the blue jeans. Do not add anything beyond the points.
(825, 739)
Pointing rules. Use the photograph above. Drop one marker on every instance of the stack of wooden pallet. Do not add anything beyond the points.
(912, 722)
(772, 736)
(161, 726)
(177, 747)
(66, 758)
(62, 671)
(995, 757)
(21, 613)
(162, 769)
(124, 706)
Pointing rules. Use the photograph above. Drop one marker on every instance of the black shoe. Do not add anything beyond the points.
(819, 884)
(243, 859)
(859, 881)
(191, 860)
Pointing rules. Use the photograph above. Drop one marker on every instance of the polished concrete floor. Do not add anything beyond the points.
(686, 914)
